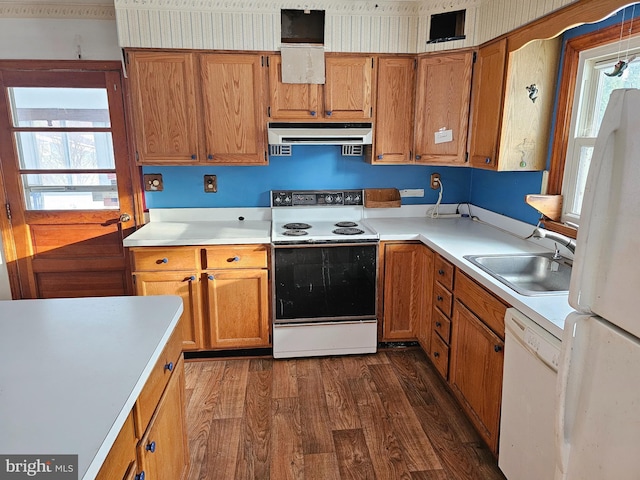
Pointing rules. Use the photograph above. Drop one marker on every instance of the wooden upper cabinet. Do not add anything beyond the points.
(347, 94)
(513, 94)
(348, 90)
(394, 110)
(163, 97)
(443, 91)
(292, 101)
(233, 112)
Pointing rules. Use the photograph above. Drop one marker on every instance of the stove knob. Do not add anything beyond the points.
(338, 199)
(277, 200)
(328, 199)
(287, 199)
(348, 198)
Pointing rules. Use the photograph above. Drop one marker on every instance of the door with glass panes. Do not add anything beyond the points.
(67, 183)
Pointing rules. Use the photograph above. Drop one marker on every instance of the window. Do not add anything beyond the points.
(65, 148)
(593, 88)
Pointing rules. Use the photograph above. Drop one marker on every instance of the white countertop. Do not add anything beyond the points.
(73, 369)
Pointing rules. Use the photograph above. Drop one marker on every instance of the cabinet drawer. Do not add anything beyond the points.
(162, 259)
(230, 256)
(442, 325)
(442, 298)
(482, 303)
(152, 391)
(440, 355)
(443, 272)
(122, 455)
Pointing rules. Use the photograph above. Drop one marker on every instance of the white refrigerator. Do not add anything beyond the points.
(598, 414)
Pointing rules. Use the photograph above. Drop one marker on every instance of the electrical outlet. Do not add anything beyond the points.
(153, 182)
(435, 181)
(210, 184)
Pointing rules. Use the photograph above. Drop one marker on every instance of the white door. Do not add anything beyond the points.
(599, 402)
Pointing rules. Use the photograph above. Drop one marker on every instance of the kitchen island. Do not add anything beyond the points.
(74, 368)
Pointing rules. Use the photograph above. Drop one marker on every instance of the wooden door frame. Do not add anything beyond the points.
(6, 228)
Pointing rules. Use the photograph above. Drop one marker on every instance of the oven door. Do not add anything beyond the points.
(325, 282)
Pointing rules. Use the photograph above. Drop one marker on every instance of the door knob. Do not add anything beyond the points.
(125, 217)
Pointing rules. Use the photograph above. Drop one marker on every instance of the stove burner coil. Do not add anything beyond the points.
(348, 231)
(295, 233)
(296, 226)
(346, 224)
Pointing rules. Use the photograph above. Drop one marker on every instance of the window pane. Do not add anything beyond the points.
(59, 107)
(630, 78)
(581, 178)
(53, 150)
(87, 191)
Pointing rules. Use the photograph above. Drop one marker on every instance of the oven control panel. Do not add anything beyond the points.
(324, 198)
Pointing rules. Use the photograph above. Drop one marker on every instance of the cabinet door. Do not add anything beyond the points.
(424, 330)
(163, 101)
(238, 308)
(292, 101)
(477, 356)
(163, 451)
(402, 295)
(486, 110)
(187, 286)
(394, 110)
(233, 106)
(443, 92)
(348, 89)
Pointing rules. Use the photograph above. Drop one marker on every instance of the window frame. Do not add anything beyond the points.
(565, 106)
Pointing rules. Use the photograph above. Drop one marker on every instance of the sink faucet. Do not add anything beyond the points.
(570, 243)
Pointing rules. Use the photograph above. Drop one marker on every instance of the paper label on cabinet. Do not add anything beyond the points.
(443, 136)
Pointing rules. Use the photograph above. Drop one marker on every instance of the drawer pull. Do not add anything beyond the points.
(439, 298)
(497, 348)
(150, 447)
(211, 277)
(163, 260)
(313, 113)
(192, 278)
(440, 272)
(438, 324)
(169, 366)
(436, 354)
(139, 476)
(234, 259)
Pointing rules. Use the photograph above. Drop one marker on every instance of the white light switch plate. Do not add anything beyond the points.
(412, 192)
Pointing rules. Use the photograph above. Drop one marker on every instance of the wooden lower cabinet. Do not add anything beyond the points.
(237, 306)
(407, 267)
(120, 463)
(162, 451)
(477, 356)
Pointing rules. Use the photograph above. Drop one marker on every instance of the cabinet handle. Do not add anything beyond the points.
(438, 324)
(487, 160)
(439, 298)
(168, 366)
(211, 277)
(210, 157)
(234, 259)
(329, 112)
(192, 278)
(497, 348)
(125, 217)
(150, 447)
(418, 157)
(313, 113)
(380, 157)
(440, 272)
(139, 476)
(436, 354)
(194, 157)
(163, 260)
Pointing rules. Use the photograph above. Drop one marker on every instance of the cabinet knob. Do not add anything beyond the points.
(438, 324)
(163, 260)
(440, 272)
(439, 298)
(150, 447)
(329, 112)
(487, 160)
(380, 157)
(194, 157)
(497, 348)
(125, 217)
(139, 476)
(234, 259)
(313, 113)
(168, 366)
(210, 157)
(211, 277)
(418, 157)
(436, 354)
(192, 278)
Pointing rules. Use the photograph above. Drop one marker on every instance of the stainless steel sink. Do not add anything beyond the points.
(528, 274)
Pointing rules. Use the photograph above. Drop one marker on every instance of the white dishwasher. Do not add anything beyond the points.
(527, 425)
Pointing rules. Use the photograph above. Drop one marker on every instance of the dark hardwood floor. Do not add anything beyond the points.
(382, 416)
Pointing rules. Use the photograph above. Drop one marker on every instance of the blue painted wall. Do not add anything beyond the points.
(309, 167)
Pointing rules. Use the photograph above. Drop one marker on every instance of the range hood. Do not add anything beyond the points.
(319, 133)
